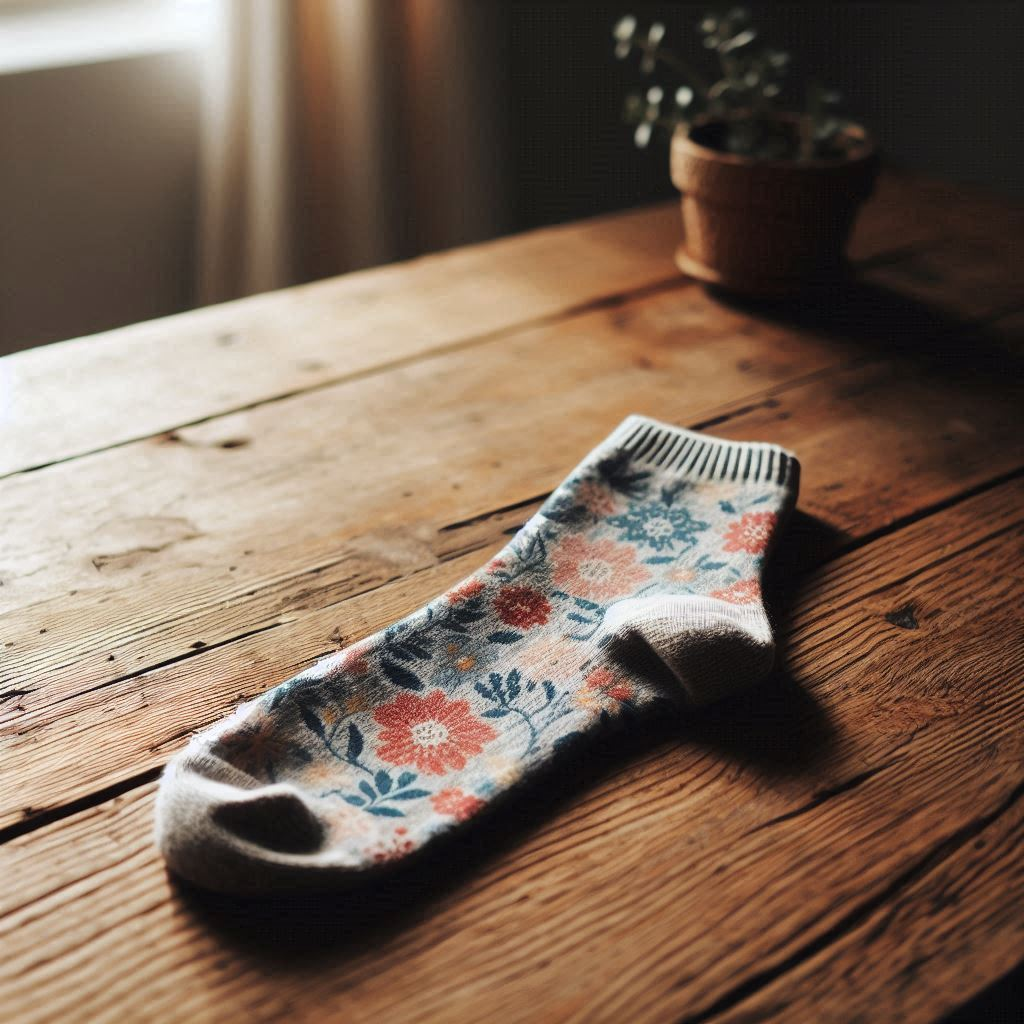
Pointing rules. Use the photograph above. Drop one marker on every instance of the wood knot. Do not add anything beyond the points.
(903, 618)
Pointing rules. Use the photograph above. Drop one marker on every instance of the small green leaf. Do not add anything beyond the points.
(387, 812)
(513, 685)
(312, 722)
(401, 676)
(355, 742)
(506, 636)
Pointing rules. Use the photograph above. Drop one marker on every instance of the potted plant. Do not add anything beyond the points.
(769, 195)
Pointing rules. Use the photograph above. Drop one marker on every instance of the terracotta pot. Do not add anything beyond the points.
(767, 227)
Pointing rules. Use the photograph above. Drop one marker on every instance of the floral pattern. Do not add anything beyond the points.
(433, 733)
(740, 592)
(396, 847)
(414, 728)
(456, 804)
(599, 570)
(354, 660)
(751, 534)
(604, 690)
(660, 526)
(465, 591)
(522, 606)
(256, 747)
(597, 499)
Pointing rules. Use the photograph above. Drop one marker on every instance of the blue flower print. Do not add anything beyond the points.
(659, 526)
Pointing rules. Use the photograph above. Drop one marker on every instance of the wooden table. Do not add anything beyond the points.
(197, 507)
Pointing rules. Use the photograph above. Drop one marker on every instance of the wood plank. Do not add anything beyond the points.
(352, 453)
(131, 525)
(961, 247)
(964, 276)
(347, 461)
(879, 753)
(63, 400)
(90, 393)
(877, 445)
(928, 961)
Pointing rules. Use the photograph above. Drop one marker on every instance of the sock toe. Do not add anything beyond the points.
(279, 821)
(221, 829)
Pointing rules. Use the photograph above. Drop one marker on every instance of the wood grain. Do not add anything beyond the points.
(196, 508)
(98, 725)
(342, 456)
(676, 868)
(84, 395)
(910, 943)
(60, 401)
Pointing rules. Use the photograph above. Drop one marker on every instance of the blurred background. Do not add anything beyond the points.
(164, 154)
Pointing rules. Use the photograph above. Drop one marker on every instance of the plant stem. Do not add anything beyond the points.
(346, 760)
(692, 76)
(528, 719)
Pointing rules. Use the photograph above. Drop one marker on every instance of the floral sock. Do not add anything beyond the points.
(638, 581)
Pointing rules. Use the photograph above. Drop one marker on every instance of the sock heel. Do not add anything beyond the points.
(711, 648)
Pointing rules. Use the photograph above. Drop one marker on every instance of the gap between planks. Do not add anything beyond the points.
(862, 487)
(102, 795)
(907, 217)
(916, 858)
(670, 284)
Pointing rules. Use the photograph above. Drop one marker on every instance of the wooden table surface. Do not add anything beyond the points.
(195, 508)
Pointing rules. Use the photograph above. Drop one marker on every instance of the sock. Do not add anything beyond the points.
(638, 581)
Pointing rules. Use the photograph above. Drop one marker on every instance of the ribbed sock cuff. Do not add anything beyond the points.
(696, 456)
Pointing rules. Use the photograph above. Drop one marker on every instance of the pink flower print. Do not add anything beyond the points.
(740, 592)
(598, 570)
(751, 533)
(681, 574)
(456, 804)
(466, 590)
(550, 658)
(433, 733)
(354, 660)
(399, 846)
(522, 607)
(604, 690)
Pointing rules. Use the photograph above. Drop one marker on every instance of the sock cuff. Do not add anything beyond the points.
(695, 456)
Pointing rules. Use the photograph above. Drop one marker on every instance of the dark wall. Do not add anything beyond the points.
(938, 84)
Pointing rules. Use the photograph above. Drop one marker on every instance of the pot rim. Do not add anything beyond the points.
(862, 151)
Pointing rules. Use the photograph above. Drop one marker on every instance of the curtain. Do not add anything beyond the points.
(339, 134)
